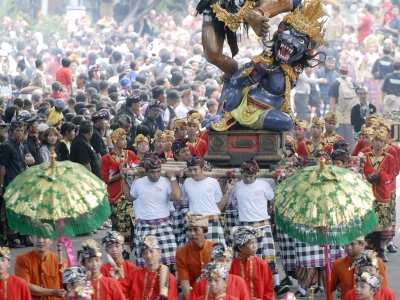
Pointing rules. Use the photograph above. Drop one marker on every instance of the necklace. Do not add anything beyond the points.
(219, 297)
(97, 288)
(242, 271)
(5, 290)
(153, 281)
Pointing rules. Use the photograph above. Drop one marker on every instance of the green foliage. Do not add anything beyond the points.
(48, 25)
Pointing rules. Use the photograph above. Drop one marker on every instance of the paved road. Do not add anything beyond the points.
(392, 267)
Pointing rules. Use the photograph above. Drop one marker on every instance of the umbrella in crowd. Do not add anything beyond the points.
(53, 200)
(323, 205)
(56, 199)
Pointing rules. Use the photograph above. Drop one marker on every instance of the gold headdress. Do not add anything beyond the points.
(385, 125)
(158, 135)
(301, 124)
(306, 20)
(179, 123)
(117, 134)
(196, 220)
(169, 135)
(149, 242)
(194, 118)
(140, 138)
(5, 252)
(317, 122)
(381, 134)
(368, 131)
(372, 120)
(330, 117)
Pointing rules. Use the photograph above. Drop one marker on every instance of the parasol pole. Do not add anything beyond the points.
(326, 250)
(60, 262)
(62, 240)
(327, 272)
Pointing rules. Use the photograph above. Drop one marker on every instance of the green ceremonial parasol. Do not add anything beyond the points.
(325, 205)
(60, 199)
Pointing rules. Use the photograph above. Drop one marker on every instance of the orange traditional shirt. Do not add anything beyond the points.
(341, 275)
(190, 261)
(44, 273)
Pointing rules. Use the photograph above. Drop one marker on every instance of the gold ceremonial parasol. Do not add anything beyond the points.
(56, 199)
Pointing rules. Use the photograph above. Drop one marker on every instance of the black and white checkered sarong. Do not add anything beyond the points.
(308, 256)
(162, 229)
(288, 251)
(231, 220)
(179, 225)
(215, 231)
(335, 252)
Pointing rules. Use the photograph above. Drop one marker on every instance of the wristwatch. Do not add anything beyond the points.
(173, 178)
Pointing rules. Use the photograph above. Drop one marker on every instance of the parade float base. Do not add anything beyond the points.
(231, 148)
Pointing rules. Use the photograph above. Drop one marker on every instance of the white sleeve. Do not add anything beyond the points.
(268, 192)
(134, 191)
(168, 186)
(185, 196)
(218, 192)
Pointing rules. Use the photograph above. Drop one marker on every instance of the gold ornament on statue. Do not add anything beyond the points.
(306, 20)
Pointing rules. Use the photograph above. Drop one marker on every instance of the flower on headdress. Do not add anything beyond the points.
(215, 270)
(242, 234)
(74, 274)
(372, 279)
(90, 248)
(5, 252)
(148, 242)
(113, 237)
(220, 250)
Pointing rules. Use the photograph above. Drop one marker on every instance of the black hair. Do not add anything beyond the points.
(103, 85)
(80, 97)
(67, 127)
(56, 86)
(157, 91)
(85, 126)
(77, 120)
(65, 62)
(176, 78)
(18, 102)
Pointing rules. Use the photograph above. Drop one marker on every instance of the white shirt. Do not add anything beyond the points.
(252, 200)
(181, 111)
(202, 196)
(151, 198)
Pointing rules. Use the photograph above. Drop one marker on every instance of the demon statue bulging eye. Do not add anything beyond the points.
(290, 45)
